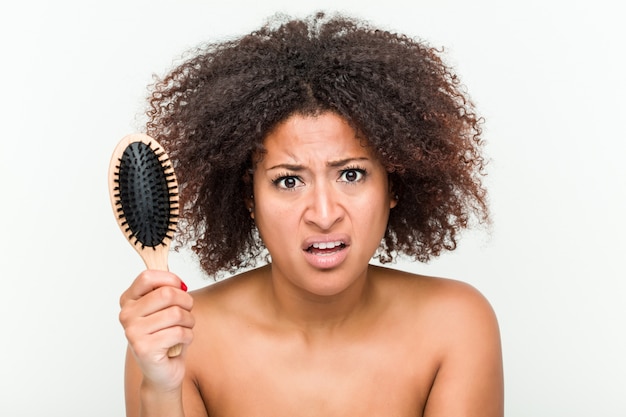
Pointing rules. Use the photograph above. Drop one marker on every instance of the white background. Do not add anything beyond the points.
(547, 76)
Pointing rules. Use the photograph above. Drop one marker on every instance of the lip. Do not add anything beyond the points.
(326, 260)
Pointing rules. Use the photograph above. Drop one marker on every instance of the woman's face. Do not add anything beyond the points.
(321, 203)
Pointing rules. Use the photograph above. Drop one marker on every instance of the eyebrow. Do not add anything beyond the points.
(333, 164)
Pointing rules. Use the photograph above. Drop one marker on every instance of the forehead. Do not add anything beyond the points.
(326, 136)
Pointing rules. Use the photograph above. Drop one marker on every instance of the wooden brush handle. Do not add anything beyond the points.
(157, 260)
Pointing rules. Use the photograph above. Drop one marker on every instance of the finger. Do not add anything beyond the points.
(149, 280)
(170, 317)
(162, 298)
(162, 330)
(157, 344)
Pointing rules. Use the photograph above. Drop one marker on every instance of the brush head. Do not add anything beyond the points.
(144, 192)
(145, 195)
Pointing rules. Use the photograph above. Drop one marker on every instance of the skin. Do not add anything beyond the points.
(316, 332)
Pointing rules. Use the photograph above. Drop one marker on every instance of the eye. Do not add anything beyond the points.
(352, 175)
(287, 182)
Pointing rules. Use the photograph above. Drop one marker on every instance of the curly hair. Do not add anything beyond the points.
(212, 112)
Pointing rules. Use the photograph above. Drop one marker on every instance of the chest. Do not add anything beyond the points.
(356, 379)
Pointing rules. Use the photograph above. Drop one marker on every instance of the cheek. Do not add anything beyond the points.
(278, 229)
(374, 215)
(274, 218)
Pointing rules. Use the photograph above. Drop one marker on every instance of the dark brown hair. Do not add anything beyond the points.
(213, 111)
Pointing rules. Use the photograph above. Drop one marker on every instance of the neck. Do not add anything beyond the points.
(319, 313)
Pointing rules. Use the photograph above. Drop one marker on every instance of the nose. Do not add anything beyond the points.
(324, 208)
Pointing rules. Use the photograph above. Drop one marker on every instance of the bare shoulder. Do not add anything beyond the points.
(452, 315)
(463, 338)
(224, 312)
(229, 306)
(234, 293)
(462, 314)
(454, 312)
(449, 297)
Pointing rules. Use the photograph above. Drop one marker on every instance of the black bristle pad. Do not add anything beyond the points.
(144, 194)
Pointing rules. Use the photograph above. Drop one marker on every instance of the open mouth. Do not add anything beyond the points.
(321, 248)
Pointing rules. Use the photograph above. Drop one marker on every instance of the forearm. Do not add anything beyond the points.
(155, 403)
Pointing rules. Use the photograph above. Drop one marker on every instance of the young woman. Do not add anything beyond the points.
(312, 146)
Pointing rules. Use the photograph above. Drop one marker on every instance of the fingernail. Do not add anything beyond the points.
(183, 286)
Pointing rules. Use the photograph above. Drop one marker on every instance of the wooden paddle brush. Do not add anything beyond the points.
(144, 196)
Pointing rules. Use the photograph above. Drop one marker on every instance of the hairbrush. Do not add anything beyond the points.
(144, 196)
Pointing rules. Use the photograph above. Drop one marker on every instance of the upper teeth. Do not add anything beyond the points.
(326, 245)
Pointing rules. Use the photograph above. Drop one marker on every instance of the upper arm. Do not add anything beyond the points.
(193, 403)
(469, 381)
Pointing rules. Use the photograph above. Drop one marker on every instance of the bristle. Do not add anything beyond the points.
(147, 194)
